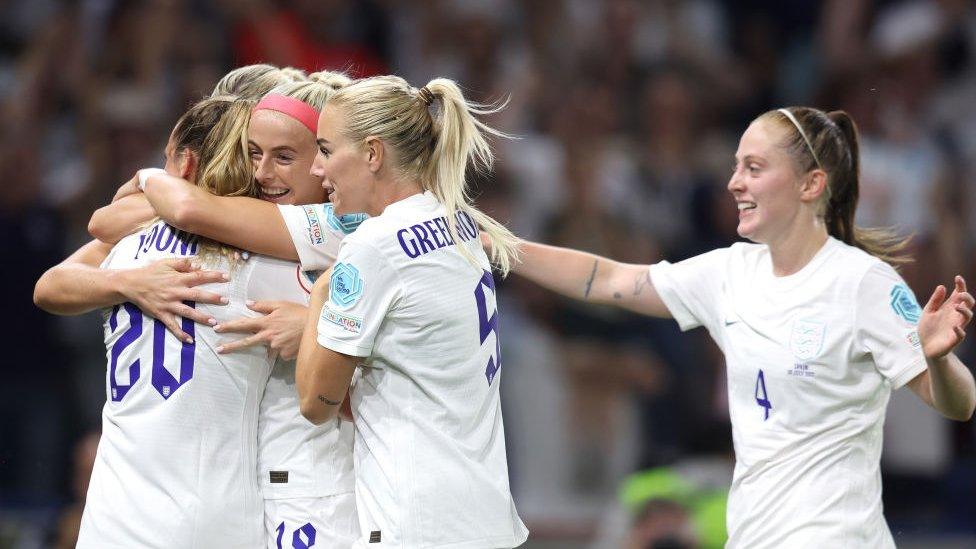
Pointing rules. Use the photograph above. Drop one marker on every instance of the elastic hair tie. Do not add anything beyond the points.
(803, 134)
(426, 95)
(306, 114)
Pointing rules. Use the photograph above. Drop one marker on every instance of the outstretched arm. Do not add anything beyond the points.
(591, 278)
(246, 223)
(947, 385)
(77, 285)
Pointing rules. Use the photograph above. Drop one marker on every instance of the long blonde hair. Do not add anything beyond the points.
(436, 136)
(215, 131)
(253, 81)
(316, 90)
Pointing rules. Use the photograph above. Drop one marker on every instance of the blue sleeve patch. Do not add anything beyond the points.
(345, 223)
(345, 286)
(904, 304)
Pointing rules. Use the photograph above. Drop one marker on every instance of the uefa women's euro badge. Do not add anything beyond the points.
(807, 338)
(345, 286)
(904, 304)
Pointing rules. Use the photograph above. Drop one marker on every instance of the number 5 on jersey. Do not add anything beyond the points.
(762, 397)
(488, 325)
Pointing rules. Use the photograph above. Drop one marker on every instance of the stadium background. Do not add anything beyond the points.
(627, 112)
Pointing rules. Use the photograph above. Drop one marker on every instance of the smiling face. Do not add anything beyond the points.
(344, 165)
(282, 151)
(765, 185)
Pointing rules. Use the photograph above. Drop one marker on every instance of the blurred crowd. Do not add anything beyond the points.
(625, 116)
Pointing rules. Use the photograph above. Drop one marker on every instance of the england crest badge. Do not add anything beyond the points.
(807, 338)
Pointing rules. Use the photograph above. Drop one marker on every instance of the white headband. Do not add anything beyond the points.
(796, 123)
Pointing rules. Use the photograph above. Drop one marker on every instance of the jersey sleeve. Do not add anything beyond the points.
(317, 232)
(363, 288)
(691, 289)
(886, 322)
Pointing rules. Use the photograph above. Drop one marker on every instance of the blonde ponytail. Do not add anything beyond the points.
(436, 135)
(459, 139)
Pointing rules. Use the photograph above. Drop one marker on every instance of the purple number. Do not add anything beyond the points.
(130, 335)
(296, 539)
(762, 397)
(488, 324)
(281, 532)
(162, 380)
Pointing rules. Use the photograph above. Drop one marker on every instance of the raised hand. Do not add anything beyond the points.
(161, 288)
(280, 328)
(943, 323)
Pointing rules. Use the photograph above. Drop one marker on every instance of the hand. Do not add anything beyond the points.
(943, 322)
(129, 187)
(280, 328)
(161, 288)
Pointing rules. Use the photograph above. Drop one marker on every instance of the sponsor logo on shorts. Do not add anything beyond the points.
(346, 322)
(278, 477)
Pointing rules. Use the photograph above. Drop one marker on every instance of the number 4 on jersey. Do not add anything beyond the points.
(762, 397)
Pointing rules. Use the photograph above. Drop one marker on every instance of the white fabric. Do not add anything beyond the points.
(297, 459)
(176, 462)
(430, 445)
(317, 232)
(327, 522)
(831, 347)
(146, 173)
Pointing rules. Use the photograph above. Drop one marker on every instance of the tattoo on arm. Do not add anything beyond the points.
(589, 283)
(642, 282)
(329, 402)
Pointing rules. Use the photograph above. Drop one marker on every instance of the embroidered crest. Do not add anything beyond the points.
(904, 304)
(345, 286)
(807, 338)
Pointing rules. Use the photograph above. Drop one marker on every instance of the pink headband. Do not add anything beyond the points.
(299, 110)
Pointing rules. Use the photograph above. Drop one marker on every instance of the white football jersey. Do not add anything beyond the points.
(811, 360)
(430, 444)
(297, 459)
(317, 232)
(176, 461)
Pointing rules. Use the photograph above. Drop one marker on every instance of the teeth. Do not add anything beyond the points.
(273, 192)
(746, 205)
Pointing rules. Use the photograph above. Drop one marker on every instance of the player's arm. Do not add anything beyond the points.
(121, 218)
(77, 285)
(946, 385)
(321, 375)
(591, 278)
(246, 223)
(279, 327)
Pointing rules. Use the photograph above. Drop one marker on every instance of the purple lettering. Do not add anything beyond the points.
(413, 252)
(423, 238)
(433, 233)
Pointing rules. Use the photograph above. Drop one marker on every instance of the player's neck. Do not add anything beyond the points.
(794, 251)
(395, 191)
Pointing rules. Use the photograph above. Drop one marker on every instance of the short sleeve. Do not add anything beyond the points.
(691, 289)
(886, 322)
(363, 288)
(317, 232)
